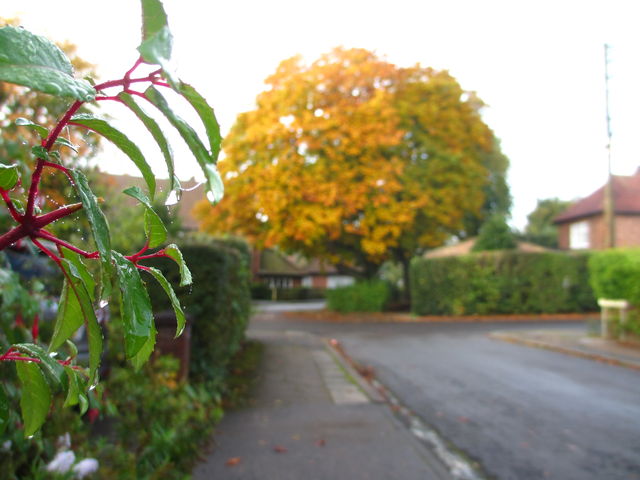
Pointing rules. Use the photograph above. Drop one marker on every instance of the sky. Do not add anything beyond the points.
(538, 65)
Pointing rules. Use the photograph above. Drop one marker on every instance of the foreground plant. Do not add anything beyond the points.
(48, 369)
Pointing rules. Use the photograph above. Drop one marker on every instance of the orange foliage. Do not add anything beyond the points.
(354, 160)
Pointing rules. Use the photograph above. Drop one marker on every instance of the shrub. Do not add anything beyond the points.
(615, 274)
(366, 296)
(501, 282)
(218, 303)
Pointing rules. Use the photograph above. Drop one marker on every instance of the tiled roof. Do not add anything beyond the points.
(465, 247)
(626, 200)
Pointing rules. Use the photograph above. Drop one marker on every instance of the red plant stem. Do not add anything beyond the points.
(55, 133)
(62, 168)
(7, 353)
(127, 75)
(35, 330)
(51, 255)
(44, 220)
(20, 359)
(61, 243)
(153, 255)
(12, 209)
(12, 236)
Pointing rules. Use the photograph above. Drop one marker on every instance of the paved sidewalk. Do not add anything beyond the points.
(309, 420)
(578, 343)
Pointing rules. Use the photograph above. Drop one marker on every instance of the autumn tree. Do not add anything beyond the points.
(355, 160)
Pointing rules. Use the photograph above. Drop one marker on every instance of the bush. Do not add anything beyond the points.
(501, 282)
(218, 304)
(615, 274)
(369, 296)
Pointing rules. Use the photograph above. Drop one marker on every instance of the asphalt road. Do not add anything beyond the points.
(522, 413)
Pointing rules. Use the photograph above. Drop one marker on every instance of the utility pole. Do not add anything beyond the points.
(608, 201)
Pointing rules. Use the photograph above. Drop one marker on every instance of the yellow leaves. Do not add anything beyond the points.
(352, 153)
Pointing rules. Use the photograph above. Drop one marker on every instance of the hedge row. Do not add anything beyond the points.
(218, 303)
(502, 282)
(365, 296)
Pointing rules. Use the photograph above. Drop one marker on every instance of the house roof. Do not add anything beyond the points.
(626, 200)
(465, 247)
(274, 262)
(192, 193)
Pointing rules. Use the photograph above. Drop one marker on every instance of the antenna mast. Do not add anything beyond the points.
(608, 201)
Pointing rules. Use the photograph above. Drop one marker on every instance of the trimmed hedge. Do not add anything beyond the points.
(505, 282)
(615, 274)
(218, 302)
(366, 296)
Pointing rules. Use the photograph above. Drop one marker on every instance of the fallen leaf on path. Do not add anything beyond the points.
(233, 461)
(280, 449)
(321, 442)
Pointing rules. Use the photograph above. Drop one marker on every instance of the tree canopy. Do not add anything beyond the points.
(356, 160)
(540, 228)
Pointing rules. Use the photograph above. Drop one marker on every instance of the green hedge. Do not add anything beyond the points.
(615, 274)
(367, 296)
(218, 302)
(501, 282)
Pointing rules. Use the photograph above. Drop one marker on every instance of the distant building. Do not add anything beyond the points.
(465, 247)
(583, 226)
(278, 270)
(192, 193)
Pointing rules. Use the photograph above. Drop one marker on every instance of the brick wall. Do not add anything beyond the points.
(627, 232)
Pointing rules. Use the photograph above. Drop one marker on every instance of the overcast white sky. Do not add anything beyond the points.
(539, 65)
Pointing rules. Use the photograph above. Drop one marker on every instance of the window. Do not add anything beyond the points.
(579, 235)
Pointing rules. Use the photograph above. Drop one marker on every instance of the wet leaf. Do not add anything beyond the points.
(35, 62)
(35, 398)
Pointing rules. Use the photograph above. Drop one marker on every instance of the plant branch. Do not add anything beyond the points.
(12, 209)
(61, 243)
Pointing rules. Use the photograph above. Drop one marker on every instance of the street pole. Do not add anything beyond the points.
(608, 201)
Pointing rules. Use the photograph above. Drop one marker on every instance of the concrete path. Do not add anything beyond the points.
(310, 420)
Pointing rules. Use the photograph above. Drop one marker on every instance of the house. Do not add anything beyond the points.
(274, 268)
(583, 225)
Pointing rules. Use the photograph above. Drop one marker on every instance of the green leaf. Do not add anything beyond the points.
(154, 229)
(157, 41)
(99, 228)
(40, 152)
(35, 398)
(121, 141)
(176, 255)
(63, 141)
(145, 352)
(154, 18)
(153, 128)
(8, 176)
(54, 371)
(4, 410)
(68, 320)
(35, 62)
(73, 391)
(202, 155)
(207, 115)
(137, 316)
(42, 131)
(175, 303)
(75, 307)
